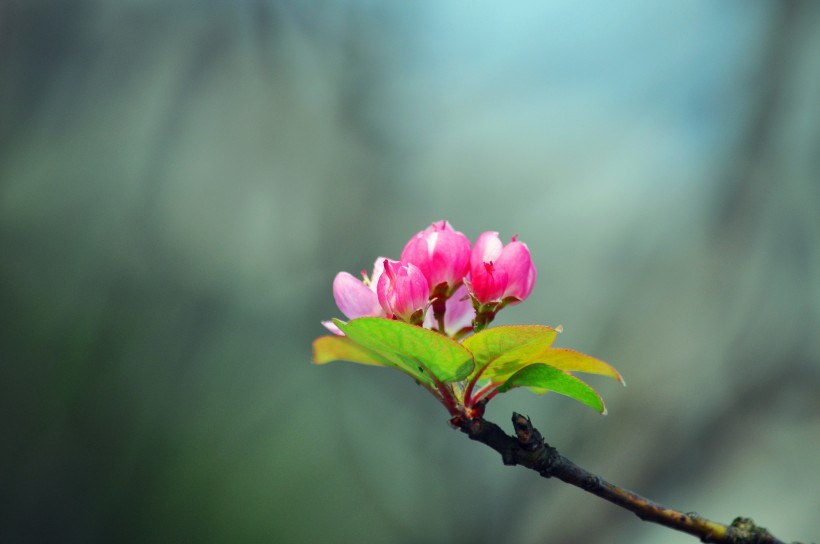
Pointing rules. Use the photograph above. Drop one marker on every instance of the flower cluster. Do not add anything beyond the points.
(440, 282)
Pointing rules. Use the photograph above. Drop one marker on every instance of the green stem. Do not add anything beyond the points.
(484, 315)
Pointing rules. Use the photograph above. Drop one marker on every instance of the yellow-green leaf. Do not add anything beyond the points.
(504, 350)
(543, 378)
(575, 361)
(342, 348)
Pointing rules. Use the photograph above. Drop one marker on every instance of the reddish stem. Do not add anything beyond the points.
(468, 391)
(447, 397)
(490, 388)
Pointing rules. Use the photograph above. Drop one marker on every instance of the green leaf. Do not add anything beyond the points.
(504, 350)
(575, 361)
(411, 349)
(341, 348)
(543, 378)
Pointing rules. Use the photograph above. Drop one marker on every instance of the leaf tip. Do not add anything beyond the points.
(559, 329)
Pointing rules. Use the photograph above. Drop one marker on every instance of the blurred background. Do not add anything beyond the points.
(180, 182)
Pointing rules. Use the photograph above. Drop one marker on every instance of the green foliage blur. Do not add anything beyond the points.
(179, 183)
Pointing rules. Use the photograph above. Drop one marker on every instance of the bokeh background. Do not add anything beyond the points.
(180, 181)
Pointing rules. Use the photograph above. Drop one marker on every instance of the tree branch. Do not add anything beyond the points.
(528, 449)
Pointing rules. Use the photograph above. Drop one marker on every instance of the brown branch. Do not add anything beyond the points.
(528, 449)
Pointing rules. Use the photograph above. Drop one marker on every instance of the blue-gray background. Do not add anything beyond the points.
(181, 181)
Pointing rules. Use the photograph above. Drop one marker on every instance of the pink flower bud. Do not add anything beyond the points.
(442, 254)
(498, 271)
(402, 290)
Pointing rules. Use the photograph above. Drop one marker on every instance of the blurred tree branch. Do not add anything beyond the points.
(528, 449)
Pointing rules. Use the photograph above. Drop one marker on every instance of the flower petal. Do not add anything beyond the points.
(354, 298)
(488, 282)
(331, 326)
(459, 311)
(515, 259)
(378, 270)
(487, 249)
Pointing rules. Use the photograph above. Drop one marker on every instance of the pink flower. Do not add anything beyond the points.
(442, 254)
(357, 298)
(459, 313)
(403, 291)
(498, 272)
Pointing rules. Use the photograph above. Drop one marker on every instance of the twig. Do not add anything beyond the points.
(528, 449)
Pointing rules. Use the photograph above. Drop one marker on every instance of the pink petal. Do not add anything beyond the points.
(450, 259)
(488, 282)
(417, 251)
(378, 270)
(459, 313)
(487, 249)
(354, 298)
(439, 226)
(417, 288)
(331, 326)
(385, 290)
(515, 259)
